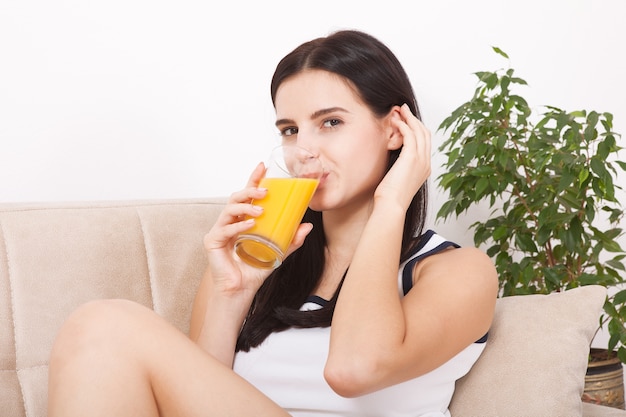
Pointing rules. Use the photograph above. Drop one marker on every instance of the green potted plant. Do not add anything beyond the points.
(549, 181)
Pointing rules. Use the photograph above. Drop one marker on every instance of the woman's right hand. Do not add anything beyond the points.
(229, 285)
(229, 274)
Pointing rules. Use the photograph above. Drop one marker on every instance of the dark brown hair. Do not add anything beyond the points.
(381, 83)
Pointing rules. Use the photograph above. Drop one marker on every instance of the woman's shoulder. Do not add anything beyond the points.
(429, 244)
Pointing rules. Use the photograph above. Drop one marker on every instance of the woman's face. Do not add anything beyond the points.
(322, 112)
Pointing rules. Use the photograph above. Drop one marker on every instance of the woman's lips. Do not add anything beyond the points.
(322, 179)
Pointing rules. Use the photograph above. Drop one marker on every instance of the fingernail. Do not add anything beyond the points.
(257, 208)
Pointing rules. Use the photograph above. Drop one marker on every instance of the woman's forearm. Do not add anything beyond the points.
(369, 313)
(216, 320)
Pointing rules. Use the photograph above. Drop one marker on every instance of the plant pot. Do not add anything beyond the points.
(604, 382)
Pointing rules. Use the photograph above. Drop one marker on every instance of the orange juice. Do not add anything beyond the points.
(265, 244)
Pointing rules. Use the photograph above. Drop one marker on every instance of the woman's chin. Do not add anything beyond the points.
(316, 207)
(318, 203)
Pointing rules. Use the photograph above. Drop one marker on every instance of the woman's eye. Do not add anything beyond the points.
(332, 122)
(289, 131)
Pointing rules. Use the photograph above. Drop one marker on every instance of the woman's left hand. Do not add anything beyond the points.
(413, 167)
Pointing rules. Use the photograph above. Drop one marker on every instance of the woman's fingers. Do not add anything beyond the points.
(413, 166)
(234, 212)
(247, 195)
(219, 237)
(256, 175)
(234, 219)
(416, 139)
(240, 202)
(239, 213)
(412, 128)
(251, 191)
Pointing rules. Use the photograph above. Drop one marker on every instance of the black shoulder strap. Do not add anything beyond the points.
(429, 244)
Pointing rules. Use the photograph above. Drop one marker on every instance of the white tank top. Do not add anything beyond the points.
(288, 367)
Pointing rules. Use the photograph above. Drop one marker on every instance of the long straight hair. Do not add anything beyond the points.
(381, 83)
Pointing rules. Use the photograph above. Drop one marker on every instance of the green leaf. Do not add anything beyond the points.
(482, 171)
(525, 243)
(544, 234)
(613, 246)
(481, 186)
(493, 251)
(446, 209)
(446, 179)
(504, 83)
(482, 76)
(552, 277)
(500, 233)
(619, 297)
(605, 147)
(598, 167)
(583, 175)
(500, 51)
(491, 81)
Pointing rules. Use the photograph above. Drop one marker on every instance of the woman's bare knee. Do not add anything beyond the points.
(94, 327)
(95, 349)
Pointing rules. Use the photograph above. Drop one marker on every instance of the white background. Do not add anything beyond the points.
(136, 99)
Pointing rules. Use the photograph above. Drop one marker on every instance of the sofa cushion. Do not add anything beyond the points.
(536, 357)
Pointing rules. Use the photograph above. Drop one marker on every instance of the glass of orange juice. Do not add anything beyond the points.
(291, 178)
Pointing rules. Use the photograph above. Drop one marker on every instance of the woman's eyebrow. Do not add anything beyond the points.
(323, 112)
(314, 116)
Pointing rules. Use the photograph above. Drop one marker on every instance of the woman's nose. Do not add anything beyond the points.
(308, 142)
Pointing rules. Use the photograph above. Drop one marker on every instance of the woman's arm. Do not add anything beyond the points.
(379, 339)
(228, 286)
(216, 319)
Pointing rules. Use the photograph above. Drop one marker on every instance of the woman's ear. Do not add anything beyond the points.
(393, 135)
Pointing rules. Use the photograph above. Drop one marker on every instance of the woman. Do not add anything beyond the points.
(409, 310)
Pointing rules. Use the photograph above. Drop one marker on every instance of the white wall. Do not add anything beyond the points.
(130, 99)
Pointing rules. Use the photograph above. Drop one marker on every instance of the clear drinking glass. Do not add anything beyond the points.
(291, 178)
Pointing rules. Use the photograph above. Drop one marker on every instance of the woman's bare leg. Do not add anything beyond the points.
(117, 358)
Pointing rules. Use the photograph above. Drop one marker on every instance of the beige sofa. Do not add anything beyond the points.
(54, 257)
